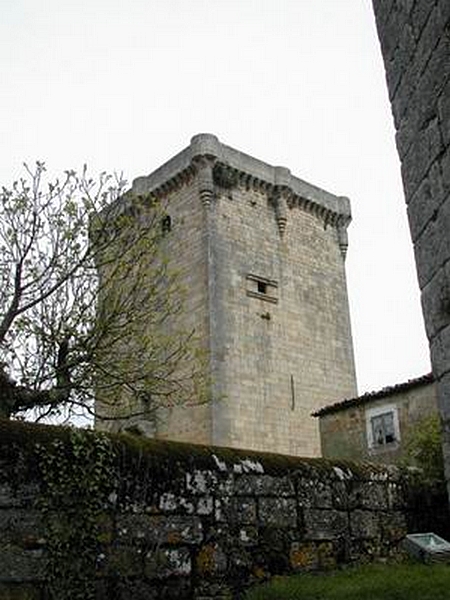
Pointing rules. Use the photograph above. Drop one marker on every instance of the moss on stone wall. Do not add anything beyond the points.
(120, 513)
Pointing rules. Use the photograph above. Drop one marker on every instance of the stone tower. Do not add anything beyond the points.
(261, 254)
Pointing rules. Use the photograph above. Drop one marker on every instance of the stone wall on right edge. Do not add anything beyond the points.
(415, 43)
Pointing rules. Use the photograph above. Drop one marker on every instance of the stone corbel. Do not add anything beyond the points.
(205, 165)
(205, 149)
(281, 195)
(343, 238)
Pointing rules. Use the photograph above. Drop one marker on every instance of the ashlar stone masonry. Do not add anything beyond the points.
(261, 254)
(415, 43)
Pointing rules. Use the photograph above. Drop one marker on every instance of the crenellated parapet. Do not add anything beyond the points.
(220, 168)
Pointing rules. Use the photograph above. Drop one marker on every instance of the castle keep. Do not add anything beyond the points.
(261, 255)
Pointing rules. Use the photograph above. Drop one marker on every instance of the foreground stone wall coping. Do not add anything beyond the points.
(186, 521)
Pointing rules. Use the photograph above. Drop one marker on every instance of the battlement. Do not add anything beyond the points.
(233, 167)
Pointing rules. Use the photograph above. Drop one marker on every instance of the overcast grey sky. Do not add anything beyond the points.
(124, 85)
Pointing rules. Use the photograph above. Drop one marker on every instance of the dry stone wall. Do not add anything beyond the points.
(122, 518)
(415, 42)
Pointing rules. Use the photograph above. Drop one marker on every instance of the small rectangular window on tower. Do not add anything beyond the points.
(262, 288)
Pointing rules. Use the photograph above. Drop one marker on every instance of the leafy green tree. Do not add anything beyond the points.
(423, 448)
(76, 319)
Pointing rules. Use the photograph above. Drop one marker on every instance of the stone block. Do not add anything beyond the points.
(280, 512)
(314, 493)
(20, 591)
(364, 524)
(8, 498)
(368, 494)
(129, 589)
(304, 556)
(443, 392)
(424, 149)
(324, 524)
(419, 16)
(211, 560)
(167, 562)
(432, 249)
(444, 161)
(124, 561)
(241, 509)
(443, 107)
(423, 206)
(393, 526)
(201, 482)
(21, 566)
(205, 505)
(22, 527)
(264, 485)
(208, 590)
(382, 10)
(429, 38)
(365, 550)
(401, 101)
(440, 352)
(389, 33)
(248, 535)
(396, 496)
(146, 529)
(436, 301)
(340, 495)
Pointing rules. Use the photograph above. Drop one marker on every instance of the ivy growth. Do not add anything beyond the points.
(78, 480)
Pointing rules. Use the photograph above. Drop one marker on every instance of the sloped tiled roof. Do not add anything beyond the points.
(369, 396)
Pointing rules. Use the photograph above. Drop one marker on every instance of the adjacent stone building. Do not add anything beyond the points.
(261, 255)
(415, 43)
(377, 425)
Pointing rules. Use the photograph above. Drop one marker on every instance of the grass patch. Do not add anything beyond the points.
(371, 582)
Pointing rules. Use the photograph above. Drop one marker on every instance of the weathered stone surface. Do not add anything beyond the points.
(236, 510)
(424, 204)
(396, 496)
(370, 495)
(393, 526)
(440, 354)
(419, 87)
(315, 493)
(211, 560)
(156, 550)
(8, 498)
(436, 301)
(159, 530)
(324, 524)
(432, 249)
(311, 556)
(281, 512)
(21, 566)
(261, 253)
(168, 562)
(125, 561)
(364, 524)
(264, 485)
(426, 147)
(21, 527)
(201, 482)
(20, 591)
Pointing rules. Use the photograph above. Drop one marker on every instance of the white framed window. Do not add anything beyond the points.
(382, 427)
